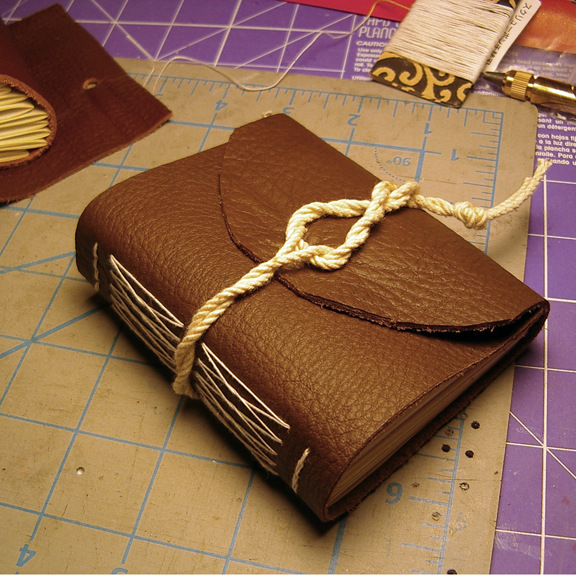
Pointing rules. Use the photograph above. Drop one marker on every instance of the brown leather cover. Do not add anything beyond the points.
(336, 355)
(54, 60)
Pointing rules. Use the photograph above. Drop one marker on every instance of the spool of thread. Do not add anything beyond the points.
(442, 46)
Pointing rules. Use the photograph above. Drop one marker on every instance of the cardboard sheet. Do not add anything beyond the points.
(104, 469)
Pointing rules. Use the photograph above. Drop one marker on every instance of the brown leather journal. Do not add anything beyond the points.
(330, 379)
(94, 107)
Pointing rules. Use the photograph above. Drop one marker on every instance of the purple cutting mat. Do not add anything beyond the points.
(536, 527)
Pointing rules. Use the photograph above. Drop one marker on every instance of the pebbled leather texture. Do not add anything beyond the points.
(300, 344)
(258, 203)
(60, 61)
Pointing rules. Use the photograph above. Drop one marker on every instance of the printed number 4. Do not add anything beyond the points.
(25, 555)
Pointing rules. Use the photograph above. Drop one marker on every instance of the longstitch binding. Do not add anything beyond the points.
(152, 322)
(229, 399)
(252, 422)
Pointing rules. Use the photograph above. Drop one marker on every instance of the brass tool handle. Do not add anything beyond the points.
(541, 91)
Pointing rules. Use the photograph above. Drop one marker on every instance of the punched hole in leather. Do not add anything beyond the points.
(90, 83)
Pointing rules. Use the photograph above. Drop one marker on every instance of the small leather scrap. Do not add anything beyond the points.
(15, 73)
(420, 80)
(95, 108)
(316, 368)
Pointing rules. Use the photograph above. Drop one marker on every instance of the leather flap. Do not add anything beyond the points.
(412, 273)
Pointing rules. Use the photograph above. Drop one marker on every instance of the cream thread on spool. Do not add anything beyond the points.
(451, 35)
(441, 47)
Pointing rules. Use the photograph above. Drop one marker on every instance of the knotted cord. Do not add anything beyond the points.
(296, 252)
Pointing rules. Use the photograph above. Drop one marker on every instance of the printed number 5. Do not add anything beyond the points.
(394, 490)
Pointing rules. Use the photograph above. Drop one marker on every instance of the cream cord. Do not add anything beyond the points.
(296, 252)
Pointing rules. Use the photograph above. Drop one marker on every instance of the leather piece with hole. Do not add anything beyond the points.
(55, 57)
(337, 367)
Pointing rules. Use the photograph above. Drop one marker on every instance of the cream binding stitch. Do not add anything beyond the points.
(230, 400)
(296, 252)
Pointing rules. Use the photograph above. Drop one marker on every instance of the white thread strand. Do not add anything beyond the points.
(295, 253)
(246, 87)
(160, 311)
(125, 298)
(223, 411)
(164, 350)
(250, 425)
(152, 323)
(298, 469)
(251, 422)
(454, 36)
(264, 409)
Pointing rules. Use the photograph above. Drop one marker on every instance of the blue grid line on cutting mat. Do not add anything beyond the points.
(74, 434)
(564, 306)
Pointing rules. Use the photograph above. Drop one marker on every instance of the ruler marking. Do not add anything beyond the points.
(478, 184)
(349, 141)
(418, 546)
(428, 501)
(488, 160)
(435, 457)
(430, 525)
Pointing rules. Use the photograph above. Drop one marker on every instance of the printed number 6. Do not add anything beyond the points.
(394, 490)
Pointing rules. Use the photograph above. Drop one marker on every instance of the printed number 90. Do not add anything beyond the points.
(400, 161)
(394, 490)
